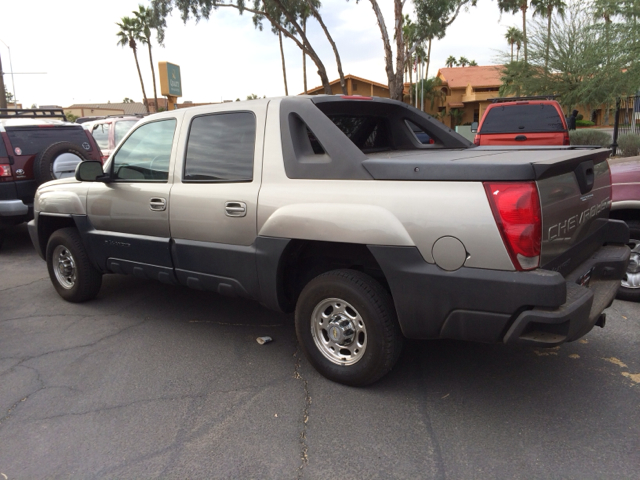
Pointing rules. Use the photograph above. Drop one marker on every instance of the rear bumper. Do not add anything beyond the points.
(540, 307)
(583, 307)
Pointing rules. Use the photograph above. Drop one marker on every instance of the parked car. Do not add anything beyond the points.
(522, 121)
(334, 208)
(108, 131)
(625, 179)
(36, 145)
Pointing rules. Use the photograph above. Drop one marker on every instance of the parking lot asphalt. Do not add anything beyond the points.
(153, 381)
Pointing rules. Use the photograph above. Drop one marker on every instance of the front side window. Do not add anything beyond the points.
(146, 153)
(122, 128)
(101, 134)
(221, 148)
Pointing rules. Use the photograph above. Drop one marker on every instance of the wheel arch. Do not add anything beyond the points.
(47, 225)
(299, 261)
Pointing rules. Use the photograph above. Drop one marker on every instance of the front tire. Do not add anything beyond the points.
(71, 272)
(630, 286)
(347, 327)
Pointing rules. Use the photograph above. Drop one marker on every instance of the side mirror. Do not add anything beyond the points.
(89, 171)
(474, 127)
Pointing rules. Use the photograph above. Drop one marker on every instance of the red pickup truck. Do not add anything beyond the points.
(522, 121)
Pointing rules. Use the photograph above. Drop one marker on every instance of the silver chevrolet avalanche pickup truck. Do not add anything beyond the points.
(369, 219)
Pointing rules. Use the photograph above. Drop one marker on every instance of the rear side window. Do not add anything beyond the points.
(221, 148)
(368, 132)
(522, 119)
(100, 133)
(122, 128)
(30, 141)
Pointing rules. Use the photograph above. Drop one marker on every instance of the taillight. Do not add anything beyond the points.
(5, 171)
(516, 209)
(476, 140)
(566, 140)
(104, 158)
(355, 97)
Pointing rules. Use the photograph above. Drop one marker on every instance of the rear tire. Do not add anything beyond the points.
(630, 287)
(58, 160)
(71, 272)
(347, 327)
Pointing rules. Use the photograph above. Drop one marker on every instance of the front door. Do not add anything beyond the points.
(130, 213)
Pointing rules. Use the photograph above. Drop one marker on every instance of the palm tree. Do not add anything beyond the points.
(284, 68)
(512, 6)
(473, 63)
(512, 36)
(144, 18)
(451, 61)
(129, 31)
(463, 62)
(545, 8)
(431, 89)
(519, 40)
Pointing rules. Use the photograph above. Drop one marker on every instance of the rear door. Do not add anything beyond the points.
(214, 199)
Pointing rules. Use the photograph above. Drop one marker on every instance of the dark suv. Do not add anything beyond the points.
(36, 145)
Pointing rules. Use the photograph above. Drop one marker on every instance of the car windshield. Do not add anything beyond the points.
(528, 118)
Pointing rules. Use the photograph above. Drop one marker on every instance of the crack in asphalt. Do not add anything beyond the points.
(26, 359)
(23, 285)
(439, 461)
(304, 447)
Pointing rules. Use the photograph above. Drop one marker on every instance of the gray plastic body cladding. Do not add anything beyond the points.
(226, 269)
(425, 295)
(583, 307)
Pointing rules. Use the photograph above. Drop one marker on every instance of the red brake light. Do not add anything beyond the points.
(566, 140)
(5, 171)
(476, 140)
(516, 209)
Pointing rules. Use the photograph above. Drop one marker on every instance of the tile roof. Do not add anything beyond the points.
(128, 108)
(346, 77)
(478, 77)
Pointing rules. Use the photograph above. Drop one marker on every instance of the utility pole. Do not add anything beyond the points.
(3, 98)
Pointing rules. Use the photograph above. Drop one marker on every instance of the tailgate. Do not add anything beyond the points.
(575, 198)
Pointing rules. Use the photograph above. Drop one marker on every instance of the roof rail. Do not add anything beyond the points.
(32, 113)
(521, 99)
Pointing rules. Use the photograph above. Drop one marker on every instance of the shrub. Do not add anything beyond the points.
(584, 123)
(590, 137)
(580, 117)
(628, 145)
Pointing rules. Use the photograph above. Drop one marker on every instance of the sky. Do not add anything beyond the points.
(74, 44)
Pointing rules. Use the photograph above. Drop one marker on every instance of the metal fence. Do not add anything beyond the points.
(627, 119)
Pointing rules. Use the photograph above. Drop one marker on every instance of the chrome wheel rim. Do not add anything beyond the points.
(632, 279)
(64, 267)
(339, 331)
(64, 165)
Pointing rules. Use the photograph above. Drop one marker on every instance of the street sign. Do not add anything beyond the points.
(170, 79)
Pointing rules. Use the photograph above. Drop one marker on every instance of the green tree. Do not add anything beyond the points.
(473, 63)
(463, 61)
(127, 100)
(545, 8)
(71, 117)
(456, 116)
(284, 15)
(145, 19)
(431, 89)
(513, 6)
(129, 32)
(8, 95)
(435, 16)
(512, 36)
(451, 61)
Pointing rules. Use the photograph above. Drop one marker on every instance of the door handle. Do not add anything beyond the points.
(158, 204)
(235, 209)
